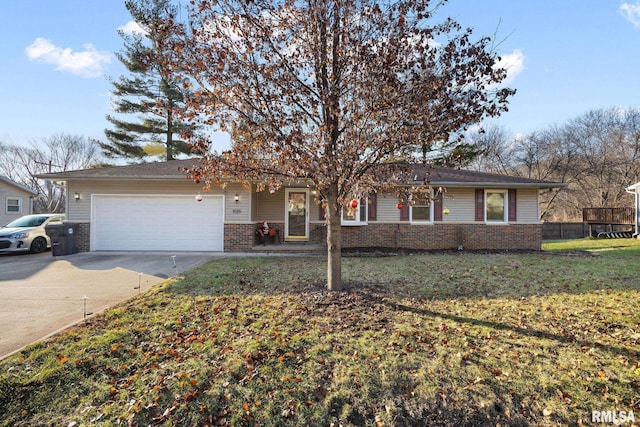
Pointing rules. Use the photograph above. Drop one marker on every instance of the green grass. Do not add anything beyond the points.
(435, 339)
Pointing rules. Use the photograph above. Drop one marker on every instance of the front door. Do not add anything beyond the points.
(297, 214)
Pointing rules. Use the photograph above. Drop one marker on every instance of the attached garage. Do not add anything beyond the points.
(157, 223)
(153, 207)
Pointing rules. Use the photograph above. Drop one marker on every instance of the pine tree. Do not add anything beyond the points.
(151, 92)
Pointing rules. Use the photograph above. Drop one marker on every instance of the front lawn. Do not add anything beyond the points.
(433, 339)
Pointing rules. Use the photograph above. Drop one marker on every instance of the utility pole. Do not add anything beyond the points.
(48, 183)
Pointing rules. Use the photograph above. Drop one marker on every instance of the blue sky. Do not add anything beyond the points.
(565, 57)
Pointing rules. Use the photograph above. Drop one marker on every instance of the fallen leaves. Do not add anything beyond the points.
(226, 358)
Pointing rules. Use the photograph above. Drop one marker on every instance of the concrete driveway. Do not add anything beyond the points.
(41, 294)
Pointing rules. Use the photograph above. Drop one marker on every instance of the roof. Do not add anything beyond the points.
(633, 188)
(444, 176)
(173, 169)
(154, 170)
(17, 185)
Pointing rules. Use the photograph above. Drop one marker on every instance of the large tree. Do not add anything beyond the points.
(597, 154)
(329, 92)
(58, 153)
(151, 93)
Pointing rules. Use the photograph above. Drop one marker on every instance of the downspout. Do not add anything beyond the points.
(637, 206)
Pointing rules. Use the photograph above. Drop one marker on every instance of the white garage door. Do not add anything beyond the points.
(157, 223)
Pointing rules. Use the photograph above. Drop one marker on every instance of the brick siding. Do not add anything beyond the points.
(83, 237)
(239, 237)
(444, 236)
(242, 237)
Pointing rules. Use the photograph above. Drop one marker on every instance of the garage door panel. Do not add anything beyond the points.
(157, 223)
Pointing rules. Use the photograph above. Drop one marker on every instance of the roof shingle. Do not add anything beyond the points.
(440, 176)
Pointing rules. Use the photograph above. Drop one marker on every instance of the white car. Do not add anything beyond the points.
(27, 233)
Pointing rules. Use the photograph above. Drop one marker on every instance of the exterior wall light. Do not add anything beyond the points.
(236, 198)
(76, 196)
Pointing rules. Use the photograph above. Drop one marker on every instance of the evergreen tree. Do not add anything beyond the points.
(151, 92)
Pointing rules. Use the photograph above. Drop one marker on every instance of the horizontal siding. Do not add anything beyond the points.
(528, 209)
(10, 191)
(268, 207)
(461, 205)
(263, 206)
(80, 211)
(458, 201)
(388, 208)
(235, 212)
(314, 208)
(271, 207)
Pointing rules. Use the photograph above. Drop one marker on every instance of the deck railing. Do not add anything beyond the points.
(608, 215)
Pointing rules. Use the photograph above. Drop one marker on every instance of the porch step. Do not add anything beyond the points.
(291, 248)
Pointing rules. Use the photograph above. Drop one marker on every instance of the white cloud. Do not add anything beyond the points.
(132, 27)
(512, 62)
(86, 63)
(631, 13)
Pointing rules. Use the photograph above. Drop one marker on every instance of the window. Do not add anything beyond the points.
(14, 205)
(357, 215)
(422, 209)
(496, 206)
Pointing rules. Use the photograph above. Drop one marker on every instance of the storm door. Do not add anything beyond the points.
(297, 214)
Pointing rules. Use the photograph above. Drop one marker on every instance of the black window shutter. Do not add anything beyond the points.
(404, 211)
(513, 205)
(373, 207)
(479, 204)
(437, 206)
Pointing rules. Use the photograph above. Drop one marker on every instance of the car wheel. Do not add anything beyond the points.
(38, 245)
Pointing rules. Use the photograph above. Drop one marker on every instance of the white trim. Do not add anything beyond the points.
(421, 221)
(6, 205)
(357, 221)
(216, 245)
(287, 207)
(431, 211)
(505, 213)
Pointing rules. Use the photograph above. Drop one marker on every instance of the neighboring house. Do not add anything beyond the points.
(635, 190)
(153, 206)
(16, 199)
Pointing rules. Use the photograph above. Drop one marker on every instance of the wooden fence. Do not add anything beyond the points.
(578, 230)
(564, 230)
(609, 216)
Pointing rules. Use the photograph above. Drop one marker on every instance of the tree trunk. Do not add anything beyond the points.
(169, 139)
(334, 242)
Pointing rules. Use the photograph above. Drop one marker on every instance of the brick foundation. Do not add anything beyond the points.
(444, 236)
(81, 238)
(439, 236)
(239, 237)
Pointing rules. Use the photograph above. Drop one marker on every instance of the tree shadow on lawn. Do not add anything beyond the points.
(364, 307)
(370, 297)
(366, 301)
(439, 276)
(370, 310)
(394, 292)
(562, 339)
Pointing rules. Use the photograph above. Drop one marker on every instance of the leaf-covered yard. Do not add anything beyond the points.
(426, 339)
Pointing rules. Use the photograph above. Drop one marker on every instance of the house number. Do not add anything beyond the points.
(237, 211)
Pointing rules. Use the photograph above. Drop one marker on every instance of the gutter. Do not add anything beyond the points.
(632, 189)
(472, 184)
(493, 184)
